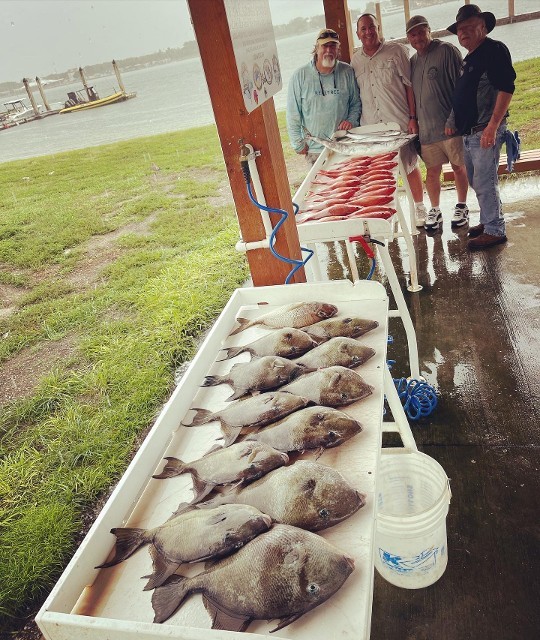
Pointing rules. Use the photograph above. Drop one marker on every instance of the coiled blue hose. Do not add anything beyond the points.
(418, 397)
(284, 215)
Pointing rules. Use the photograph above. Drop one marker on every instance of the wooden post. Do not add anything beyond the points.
(40, 87)
(85, 85)
(30, 96)
(407, 10)
(379, 18)
(337, 17)
(511, 10)
(258, 128)
(118, 76)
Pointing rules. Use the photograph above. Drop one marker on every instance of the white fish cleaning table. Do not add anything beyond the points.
(314, 234)
(92, 604)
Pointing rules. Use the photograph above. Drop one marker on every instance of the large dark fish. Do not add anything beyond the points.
(345, 352)
(257, 411)
(306, 494)
(310, 428)
(330, 387)
(346, 327)
(296, 315)
(240, 463)
(286, 343)
(261, 374)
(281, 575)
(190, 537)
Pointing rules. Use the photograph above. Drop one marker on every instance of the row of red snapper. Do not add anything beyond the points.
(359, 187)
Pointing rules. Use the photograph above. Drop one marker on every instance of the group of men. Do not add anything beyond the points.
(457, 107)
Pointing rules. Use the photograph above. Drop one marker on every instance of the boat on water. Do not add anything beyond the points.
(77, 102)
(17, 111)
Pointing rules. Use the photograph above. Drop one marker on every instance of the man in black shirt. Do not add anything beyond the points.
(481, 98)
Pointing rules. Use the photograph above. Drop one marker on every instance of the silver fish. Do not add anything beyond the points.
(256, 411)
(330, 387)
(190, 537)
(310, 428)
(360, 148)
(345, 352)
(281, 574)
(240, 463)
(261, 374)
(305, 494)
(346, 327)
(286, 343)
(296, 315)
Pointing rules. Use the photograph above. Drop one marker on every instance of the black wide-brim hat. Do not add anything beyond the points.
(473, 11)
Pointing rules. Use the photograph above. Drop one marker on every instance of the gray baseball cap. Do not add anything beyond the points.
(416, 21)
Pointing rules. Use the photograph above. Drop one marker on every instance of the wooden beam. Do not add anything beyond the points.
(258, 128)
(338, 17)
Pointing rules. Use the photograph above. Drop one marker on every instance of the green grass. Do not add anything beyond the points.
(64, 445)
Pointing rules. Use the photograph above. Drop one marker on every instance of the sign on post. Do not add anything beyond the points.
(255, 50)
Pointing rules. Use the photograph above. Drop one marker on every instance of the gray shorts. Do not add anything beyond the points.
(409, 157)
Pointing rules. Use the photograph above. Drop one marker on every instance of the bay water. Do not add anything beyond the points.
(175, 96)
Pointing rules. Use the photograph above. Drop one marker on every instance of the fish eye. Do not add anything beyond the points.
(313, 589)
(344, 396)
(332, 435)
(324, 513)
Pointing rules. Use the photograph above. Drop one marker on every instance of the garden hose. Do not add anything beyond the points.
(284, 215)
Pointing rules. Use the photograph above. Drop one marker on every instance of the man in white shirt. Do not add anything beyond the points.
(383, 75)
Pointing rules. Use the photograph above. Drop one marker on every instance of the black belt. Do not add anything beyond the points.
(477, 128)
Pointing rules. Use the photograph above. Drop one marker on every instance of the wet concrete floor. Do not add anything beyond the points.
(477, 323)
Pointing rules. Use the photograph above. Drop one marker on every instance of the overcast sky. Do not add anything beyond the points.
(39, 37)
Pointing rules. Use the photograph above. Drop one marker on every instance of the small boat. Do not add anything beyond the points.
(77, 102)
(17, 112)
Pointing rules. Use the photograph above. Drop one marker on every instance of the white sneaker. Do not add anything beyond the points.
(420, 213)
(461, 215)
(433, 219)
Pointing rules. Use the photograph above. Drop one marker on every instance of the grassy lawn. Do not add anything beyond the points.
(115, 259)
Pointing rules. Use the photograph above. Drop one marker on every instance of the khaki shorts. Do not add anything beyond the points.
(409, 157)
(438, 153)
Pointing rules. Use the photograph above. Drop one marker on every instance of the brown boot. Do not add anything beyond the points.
(474, 232)
(485, 240)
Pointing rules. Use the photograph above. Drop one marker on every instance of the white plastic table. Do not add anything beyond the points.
(312, 234)
(91, 604)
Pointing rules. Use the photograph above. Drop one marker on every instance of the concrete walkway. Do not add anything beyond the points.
(477, 321)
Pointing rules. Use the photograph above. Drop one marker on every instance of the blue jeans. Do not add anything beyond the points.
(482, 165)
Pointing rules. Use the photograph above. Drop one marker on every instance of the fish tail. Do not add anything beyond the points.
(212, 381)
(232, 352)
(173, 467)
(243, 322)
(169, 596)
(127, 542)
(202, 416)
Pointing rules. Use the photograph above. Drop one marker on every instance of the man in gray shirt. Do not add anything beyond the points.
(434, 69)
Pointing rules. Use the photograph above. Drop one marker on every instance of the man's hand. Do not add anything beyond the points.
(448, 131)
(344, 125)
(413, 126)
(489, 134)
(304, 151)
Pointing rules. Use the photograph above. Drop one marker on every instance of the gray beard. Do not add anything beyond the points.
(328, 62)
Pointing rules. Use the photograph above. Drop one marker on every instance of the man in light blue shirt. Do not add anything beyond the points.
(323, 97)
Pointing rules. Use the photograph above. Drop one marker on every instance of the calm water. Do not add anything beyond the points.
(175, 96)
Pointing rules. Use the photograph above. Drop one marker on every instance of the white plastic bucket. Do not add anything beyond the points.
(412, 504)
